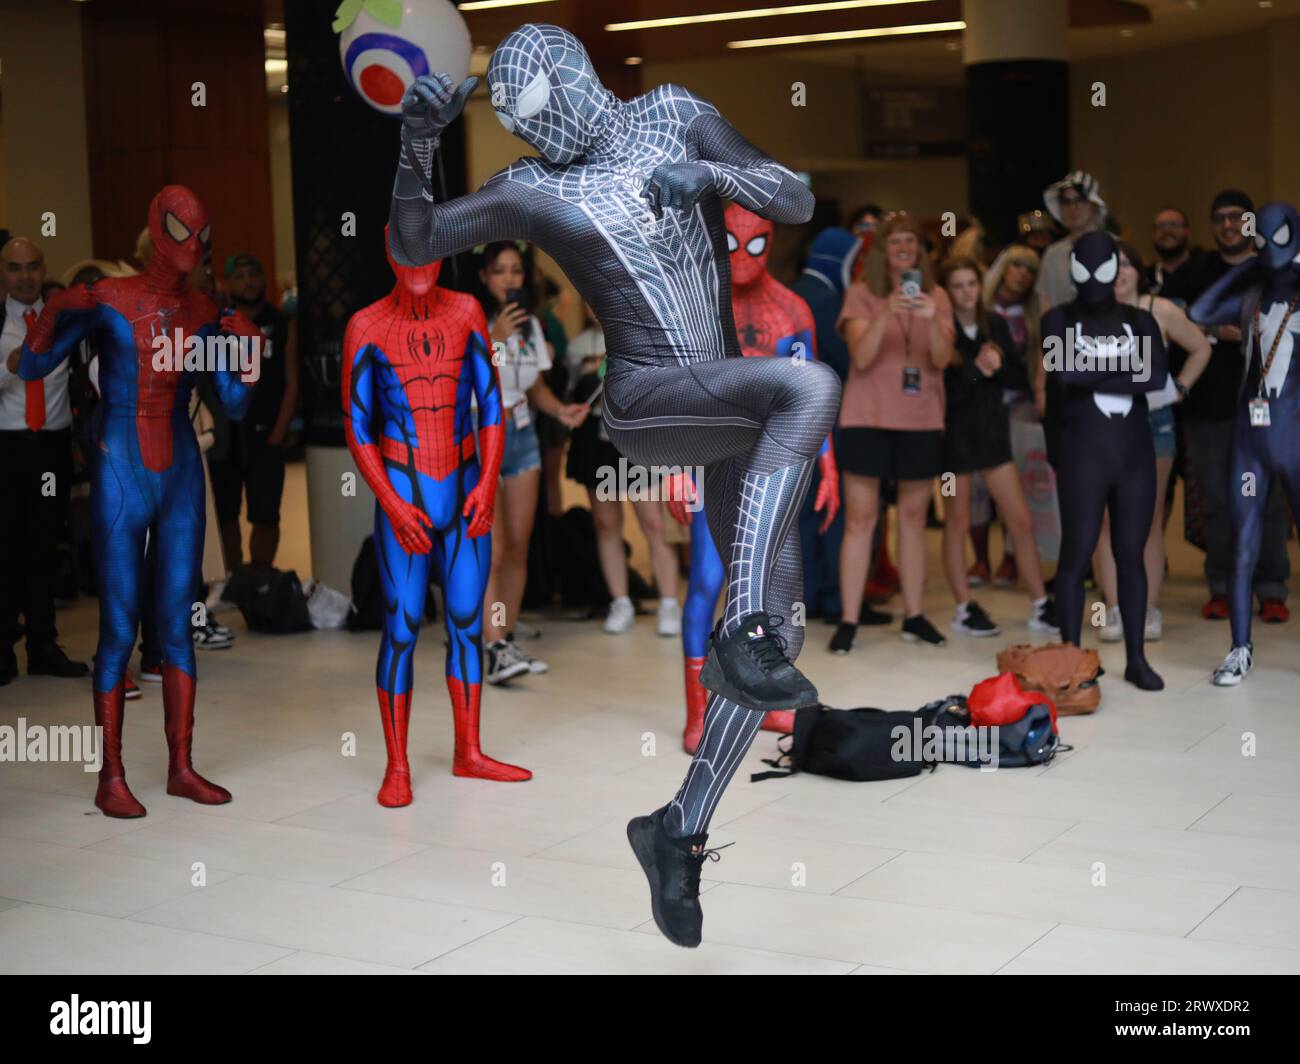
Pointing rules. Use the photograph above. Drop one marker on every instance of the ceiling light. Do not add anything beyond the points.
(753, 12)
(848, 35)
(632, 60)
(488, 5)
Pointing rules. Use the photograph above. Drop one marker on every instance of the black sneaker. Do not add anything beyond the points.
(749, 667)
(8, 667)
(842, 640)
(672, 867)
(918, 630)
(1042, 616)
(971, 619)
(50, 660)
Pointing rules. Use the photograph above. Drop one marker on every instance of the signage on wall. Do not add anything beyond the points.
(907, 122)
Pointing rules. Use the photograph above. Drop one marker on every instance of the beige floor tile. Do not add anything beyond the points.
(1096, 951)
(539, 946)
(1255, 917)
(397, 932)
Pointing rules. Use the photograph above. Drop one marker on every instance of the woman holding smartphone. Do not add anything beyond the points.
(521, 354)
(898, 328)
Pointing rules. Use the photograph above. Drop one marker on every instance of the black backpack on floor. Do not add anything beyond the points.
(876, 744)
(270, 599)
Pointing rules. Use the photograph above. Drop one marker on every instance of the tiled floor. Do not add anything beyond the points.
(1167, 840)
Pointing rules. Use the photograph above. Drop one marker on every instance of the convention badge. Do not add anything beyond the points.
(911, 380)
(1258, 413)
(522, 420)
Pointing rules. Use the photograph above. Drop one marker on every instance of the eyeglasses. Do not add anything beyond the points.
(1224, 217)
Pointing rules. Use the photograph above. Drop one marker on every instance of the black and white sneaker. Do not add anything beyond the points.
(672, 867)
(1042, 616)
(503, 664)
(208, 637)
(970, 619)
(918, 630)
(1235, 666)
(749, 667)
(535, 665)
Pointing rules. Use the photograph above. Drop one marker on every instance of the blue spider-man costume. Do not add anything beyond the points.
(146, 470)
(770, 320)
(1262, 295)
(411, 364)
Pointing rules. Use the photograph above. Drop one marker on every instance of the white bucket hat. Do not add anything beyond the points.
(1084, 183)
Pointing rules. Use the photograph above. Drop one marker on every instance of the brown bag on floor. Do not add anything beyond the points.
(1066, 674)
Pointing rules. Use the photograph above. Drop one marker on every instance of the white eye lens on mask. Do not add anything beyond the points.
(175, 228)
(756, 246)
(506, 121)
(1105, 273)
(1260, 241)
(1283, 236)
(732, 242)
(205, 233)
(1078, 271)
(534, 96)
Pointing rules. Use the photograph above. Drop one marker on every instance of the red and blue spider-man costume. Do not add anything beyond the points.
(411, 364)
(770, 320)
(146, 471)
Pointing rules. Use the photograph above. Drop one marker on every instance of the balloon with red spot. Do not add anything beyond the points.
(380, 60)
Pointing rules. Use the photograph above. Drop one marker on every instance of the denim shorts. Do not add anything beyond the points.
(522, 452)
(1162, 431)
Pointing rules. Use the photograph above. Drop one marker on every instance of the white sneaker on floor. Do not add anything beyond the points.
(1234, 667)
(621, 616)
(1112, 631)
(670, 618)
(1042, 616)
(524, 630)
(1155, 626)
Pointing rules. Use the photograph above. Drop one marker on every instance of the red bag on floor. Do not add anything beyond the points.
(1001, 700)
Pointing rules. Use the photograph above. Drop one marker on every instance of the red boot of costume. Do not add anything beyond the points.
(469, 759)
(697, 701)
(779, 720)
(178, 723)
(395, 712)
(113, 797)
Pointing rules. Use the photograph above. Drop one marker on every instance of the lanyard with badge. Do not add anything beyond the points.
(1258, 406)
(911, 288)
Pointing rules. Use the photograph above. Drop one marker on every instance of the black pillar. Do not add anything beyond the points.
(1019, 116)
(344, 156)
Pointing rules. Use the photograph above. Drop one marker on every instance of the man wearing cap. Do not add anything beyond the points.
(1207, 416)
(1075, 202)
(252, 460)
(35, 475)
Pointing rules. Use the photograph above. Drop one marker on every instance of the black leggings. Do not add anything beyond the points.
(755, 425)
(1106, 463)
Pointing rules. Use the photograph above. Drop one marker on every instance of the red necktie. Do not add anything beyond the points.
(35, 389)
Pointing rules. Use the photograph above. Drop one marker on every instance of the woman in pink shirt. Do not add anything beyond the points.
(898, 328)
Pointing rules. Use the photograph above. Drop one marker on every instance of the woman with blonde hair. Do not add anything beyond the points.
(898, 328)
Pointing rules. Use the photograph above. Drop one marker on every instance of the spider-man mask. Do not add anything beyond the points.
(1277, 236)
(749, 239)
(178, 225)
(1094, 265)
(417, 280)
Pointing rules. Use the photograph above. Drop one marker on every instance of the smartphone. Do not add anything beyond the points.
(910, 283)
(519, 297)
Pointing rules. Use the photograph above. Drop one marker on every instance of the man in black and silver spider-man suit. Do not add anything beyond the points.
(627, 197)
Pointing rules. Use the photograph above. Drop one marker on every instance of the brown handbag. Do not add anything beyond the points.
(1066, 674)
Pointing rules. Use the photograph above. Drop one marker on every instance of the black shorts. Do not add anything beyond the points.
(253, 468)
(976, 436)
(891, 454)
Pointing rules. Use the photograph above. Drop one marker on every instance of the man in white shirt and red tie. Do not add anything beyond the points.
(35, 471)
